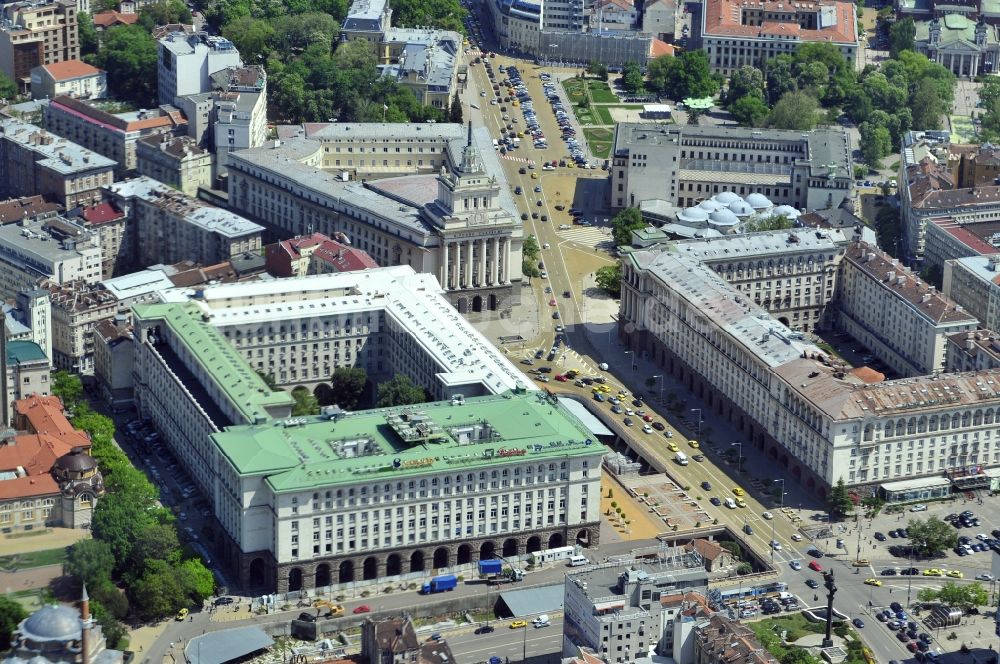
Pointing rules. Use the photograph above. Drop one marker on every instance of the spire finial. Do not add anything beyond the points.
(469, 144)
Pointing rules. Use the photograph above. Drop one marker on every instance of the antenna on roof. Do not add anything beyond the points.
(469, 144)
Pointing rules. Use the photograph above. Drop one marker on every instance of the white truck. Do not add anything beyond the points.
(681, 459)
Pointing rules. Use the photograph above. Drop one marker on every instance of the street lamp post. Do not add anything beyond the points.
(660, 376)
(698, 410)
(739, 459)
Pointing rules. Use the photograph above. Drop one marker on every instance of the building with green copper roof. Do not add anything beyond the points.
(965, 46)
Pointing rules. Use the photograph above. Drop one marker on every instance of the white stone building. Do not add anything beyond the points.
(186, 62)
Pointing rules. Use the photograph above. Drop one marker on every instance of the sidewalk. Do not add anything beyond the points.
(52, 538)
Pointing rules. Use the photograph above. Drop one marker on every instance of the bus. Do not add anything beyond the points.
(551, 555)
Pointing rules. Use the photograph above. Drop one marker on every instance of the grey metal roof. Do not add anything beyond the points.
(34, 247)
(594, 425)
(358, 131)
(226, 645)
(364, 15)
(534, 601)
(56, 153)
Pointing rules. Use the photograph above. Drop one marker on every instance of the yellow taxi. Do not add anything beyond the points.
(672, 447)
(182, 614)
(694, 443)
(518, 624)
(933, 571)
(873, 582)
(622, 394)
(738, 491)
(740, 502)
(605, 389)
(534, 175)
(955, 574)
(597, 389)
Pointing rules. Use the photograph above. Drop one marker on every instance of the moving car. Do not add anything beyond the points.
(815, 566)
(706, 485)
(767, 515)
(738, 491)
(182, 614)
(518, 624)
(858, 622)
(796, 565)
(364, 608)
(873, 582)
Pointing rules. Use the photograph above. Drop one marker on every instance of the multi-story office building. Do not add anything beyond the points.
(198, 364)
(314, 254)
(169, 226)
(239, 111)
(113, 360)
(973, 284)
(946, 239)
(70, 78)
(616, 610)
(54, 249)
(972, 351)
(107, 134)
(113, 231)
(186, 62)
(563, 15)
(811, 414)
(33, 161)
(791, 274)
(77, 308)
(901, 319)
(459, 225)
(36, 33)
(684, 165)
(177, 161)
(751, 32)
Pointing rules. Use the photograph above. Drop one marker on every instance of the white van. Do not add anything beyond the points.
(576, 561)
(681, 459)
(541, 621)
(730, 503)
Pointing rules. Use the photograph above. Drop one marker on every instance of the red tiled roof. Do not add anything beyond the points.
(101, 213)
(725, 17)
(107, 120)
(69, 69)
(108, 18)
(45, 416)
(868, 375)
(659, 47)
(341, 256)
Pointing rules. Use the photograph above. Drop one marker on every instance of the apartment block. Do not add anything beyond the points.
(684, 165)
(28, 370)
(186, 62)
(660, 18)
(176, 161)
(114, 350)
(53, 249)
(749, 32)
(114, 232)
(33, 161)
(69, 78)
(34, 34)
(973, 284)
(77, 308)
(114, 136)
(29, 318)
(314, 254)
(972, 351)
(902, 320)
(169, 226)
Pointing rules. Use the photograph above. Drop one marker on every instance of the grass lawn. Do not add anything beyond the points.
(600, 93)
(34, 559)
(962, 130)
(599, 141)
(575, 89)
(769, 630)
(588, 116)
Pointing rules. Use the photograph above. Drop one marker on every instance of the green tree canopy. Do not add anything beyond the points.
(750, 111)
(68, 387)
(796, 110)
(196, 580)
(747, 81)
(157, 592)
(128, 55)
(902, 37)
(876, 143)
(297, 32)
(253, 37)
(686, 75)
(347, 386)
(89, 42)
(90, 561)
(957, 595)
(305, 402)
(399, 391)
(931, 535)
(624, 223)
(11, 614)
(771, 222)
(632, 79)
(838, 501)
(445, 14)
(112, 630)
(163, 12)
(779, 74)
(529, 248)
(157, 541)
(609, 278)
(598, 70)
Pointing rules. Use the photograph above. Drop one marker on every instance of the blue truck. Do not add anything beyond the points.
(490, 567)
(439, 584)
(494, 572)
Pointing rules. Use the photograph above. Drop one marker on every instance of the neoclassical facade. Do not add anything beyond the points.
(966, 47)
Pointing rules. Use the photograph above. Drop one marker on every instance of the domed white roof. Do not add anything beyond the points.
(693, 214)
(741, 208)
(723, 217)
(727, 197)
(710, 205)
(708, 232)
(759, 201)
(52, 623)
(786, 211)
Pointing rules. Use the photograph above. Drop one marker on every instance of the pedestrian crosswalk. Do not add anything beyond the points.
(592, 236)
(519, 160)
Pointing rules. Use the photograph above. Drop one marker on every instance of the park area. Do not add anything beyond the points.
(598, 110)
(599, 139)
(797, 628)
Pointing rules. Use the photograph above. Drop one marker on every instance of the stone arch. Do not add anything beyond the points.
(534, 544)
(556, 540)
(464, 556)
(509, 547)
(417, 561)
(369, 568)
(345, 574)
(477, 303)
(257, 577)
(463, 305)
(487, 550)
(321, 578)
(441, 557)
(784, 460)
(492, 302)
(583, 537)
(294, 579)
(393, 565)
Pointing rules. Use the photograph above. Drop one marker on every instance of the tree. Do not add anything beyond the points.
(876, 143)
(196, 580)
(91, 562)
(959, 596)
(598, 70)
(747, 81)
(298, 32)
(444, 14)
(772, 222)
(839, 502)
(931, 535)
(455, 115)
(797, 656)
(163, 12)
(529, 269)
(11, 614)
(632, 79)
(609, 278)
(305, 402)
(399, 391)
(119, 519)
(873, 505)
(927, 105)
(157, 592)
(269, 380)
(902, 36)
(156, 542)
(626, 221)
(68, 387)
(686, 75)
(795, 110)
(89, 42)
(749, 111)
(112, 630)
(128, 55)
(251, 36)
(780, 78)
(347, 385)
(529, 248)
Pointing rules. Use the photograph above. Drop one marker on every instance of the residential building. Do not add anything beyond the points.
(660, 18)
(185, 63)
(28, 370)
(55, 634)
(684, 165)
(964, 46)
(565, 15)
(973, 165)
(517, 24)
(615, 609)
(114, 350)
(972, 351)
(814, 417)
(176, 161)
(169, 226)
(36, 33)
(901, 319)
(460, 225)
(714, 557)
(110, 18)
(395, 641)
(107, 134)
(614, 15)
(424, 61)
(114, 233)
(77, 308)
(751, 32)
(726, 641)
(29, 318)
(17, 210)
(33, 161)
(973, 284)
(46, 476)
(314, 254)
(947, 239)
(69, 78)
(196, 376)
(54, 249)
(239, 111)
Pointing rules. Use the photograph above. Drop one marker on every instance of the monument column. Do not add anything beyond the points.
(470, 264)
(482, 262)
(458, 265)
(495, 281)
(445, 276)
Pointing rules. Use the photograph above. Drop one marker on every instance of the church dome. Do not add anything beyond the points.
(709, 205)
(76, 461)
(758, 201)
(727, 197)
(741, 208)
(52, 623)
